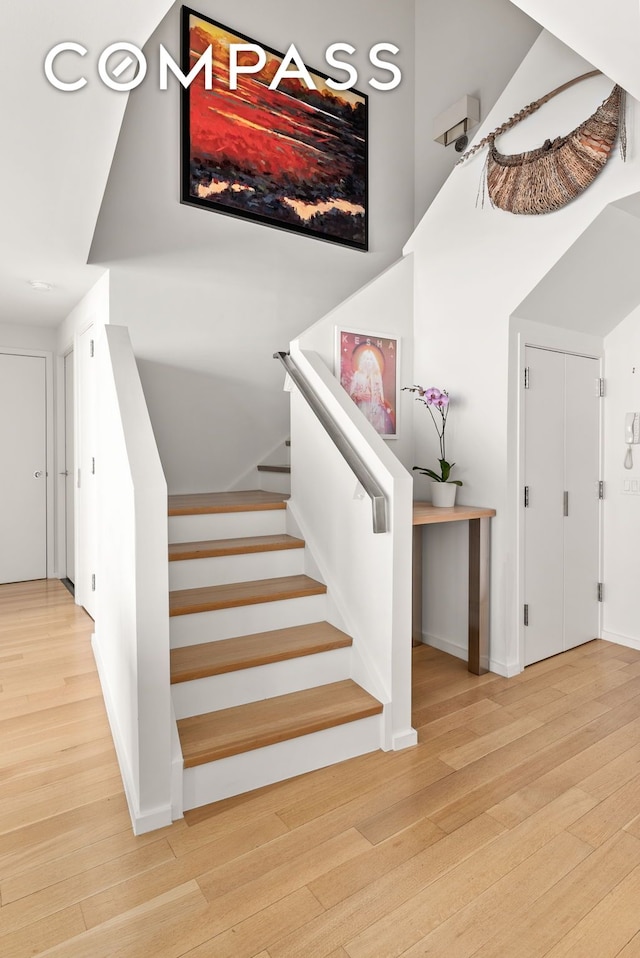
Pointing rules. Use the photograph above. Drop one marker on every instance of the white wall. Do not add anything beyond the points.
(27, 337)
(622, 512)
(474, 267)
(131, 641)
(462, 46)
(208, 298)
(606, 34)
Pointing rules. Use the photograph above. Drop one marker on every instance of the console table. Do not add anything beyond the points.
(479, 572)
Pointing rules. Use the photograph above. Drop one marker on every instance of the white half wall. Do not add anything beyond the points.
(368, 574)
(131, 641)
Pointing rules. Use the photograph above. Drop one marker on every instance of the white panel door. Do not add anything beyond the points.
(543, 519)
(561, 521)
(582, 525)
(23, 468)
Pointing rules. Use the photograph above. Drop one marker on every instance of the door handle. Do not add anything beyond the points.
(65, 473)
(38, 474)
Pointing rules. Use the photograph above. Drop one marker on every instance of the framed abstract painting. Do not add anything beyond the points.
(292, 157)
(367, 365)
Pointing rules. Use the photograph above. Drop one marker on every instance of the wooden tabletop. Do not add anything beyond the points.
(424, 513)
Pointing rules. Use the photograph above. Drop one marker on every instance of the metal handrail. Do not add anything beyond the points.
(348, 452)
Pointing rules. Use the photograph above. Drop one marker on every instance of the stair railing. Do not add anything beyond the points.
(348, 452)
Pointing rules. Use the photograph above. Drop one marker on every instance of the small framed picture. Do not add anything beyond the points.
(367, 365)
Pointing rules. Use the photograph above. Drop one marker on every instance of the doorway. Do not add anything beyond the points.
(23, 477)
(561, 502)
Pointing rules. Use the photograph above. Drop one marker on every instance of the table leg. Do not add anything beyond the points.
(479, 571)
(416, 604)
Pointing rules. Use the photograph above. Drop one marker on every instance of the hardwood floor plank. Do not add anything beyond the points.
(44, 934)
(568, 902)
(105, 905)
(611, 815)
(440, 899)
(341, 923)
(40, 904)
(345, 880)
(130, 931)
(608, 927)
(472, 925)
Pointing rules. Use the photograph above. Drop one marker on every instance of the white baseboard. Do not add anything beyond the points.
(461, 652)
(444, 645)
(625, 640)
(142, 822)
(404, 739)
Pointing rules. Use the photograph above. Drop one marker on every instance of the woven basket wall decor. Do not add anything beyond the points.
(549, 177)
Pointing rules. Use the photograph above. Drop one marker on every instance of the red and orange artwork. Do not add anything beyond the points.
(367, 365)
(291, 157)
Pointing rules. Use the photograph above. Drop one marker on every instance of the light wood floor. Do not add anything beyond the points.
(512, 830)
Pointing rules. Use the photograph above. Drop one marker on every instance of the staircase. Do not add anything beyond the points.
(260, 679)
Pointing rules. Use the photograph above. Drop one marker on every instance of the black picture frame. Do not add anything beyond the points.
(292, 158)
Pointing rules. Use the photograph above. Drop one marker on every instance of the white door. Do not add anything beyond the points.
(69, 467)
(561, 515)
(85, 560)
(23, 468)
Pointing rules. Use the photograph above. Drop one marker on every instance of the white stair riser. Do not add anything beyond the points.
(194, 573)
(227, 525)
(275, 482)
(245, 620)
(243, 773)
(262, 682)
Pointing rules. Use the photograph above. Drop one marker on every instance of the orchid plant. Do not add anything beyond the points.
(438, 400)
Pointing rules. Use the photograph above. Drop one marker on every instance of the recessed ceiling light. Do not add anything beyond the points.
(40, 286)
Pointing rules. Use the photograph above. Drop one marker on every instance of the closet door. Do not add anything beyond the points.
(543, 516)
(581, 526)
(561, 520)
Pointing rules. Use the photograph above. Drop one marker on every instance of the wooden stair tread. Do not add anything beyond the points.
(212, 597)
(284, 469)
(216, 735)
(203, 503)
(260, 648)
(232, 547)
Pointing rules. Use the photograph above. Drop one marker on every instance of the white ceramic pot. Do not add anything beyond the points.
(443, 494)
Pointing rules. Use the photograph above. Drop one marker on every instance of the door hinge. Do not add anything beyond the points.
(526, 497)
(93, 466)
(79, 473)
(600, 387)
(566, 503)
(600, 591)
(527, 377)
(526, 615)
(93, 582)
(601, 490)
(92, 348)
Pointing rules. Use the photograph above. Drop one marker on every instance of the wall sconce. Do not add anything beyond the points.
(455, 122)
